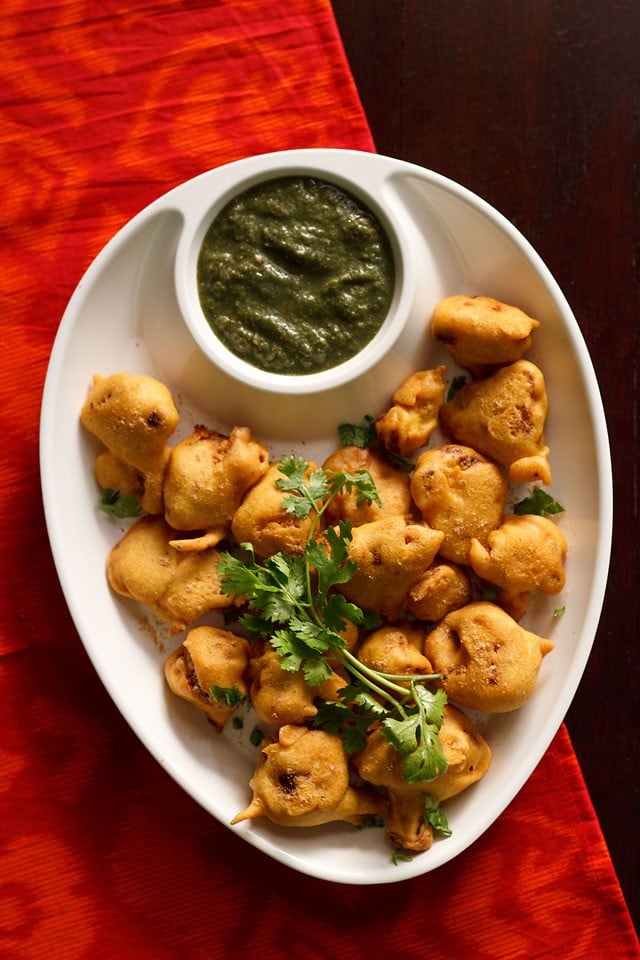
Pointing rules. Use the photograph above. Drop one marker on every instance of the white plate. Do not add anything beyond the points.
(124, 316)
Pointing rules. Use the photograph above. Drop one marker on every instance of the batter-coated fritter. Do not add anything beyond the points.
(391, 483)
(442, 588)
(488, 661)
(133, 416)
(210, 657)
(407, 425)
(395, 649)
(525, 553)
(207, 476)
(461, 493)
(468, 757)
(503, 417)
(302, 780)
(391, 554)
(177, 587)
(262, 520)
(114, 474)
(480, 332)
(281, 697)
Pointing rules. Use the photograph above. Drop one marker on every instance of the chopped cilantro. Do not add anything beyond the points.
(538, 502)
(229, 696)
(456, 384)
(118, 504)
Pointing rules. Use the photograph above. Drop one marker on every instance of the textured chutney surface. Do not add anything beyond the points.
(295, 275)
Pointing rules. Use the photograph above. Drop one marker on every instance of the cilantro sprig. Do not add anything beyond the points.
(364, 435)
(292, 601)
(120, 505)
(538, 502)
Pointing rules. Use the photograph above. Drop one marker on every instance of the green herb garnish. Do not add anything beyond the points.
(364, 435)
(456, 384)
(538, 502)
(229, 696)
(118, 504)
(434, 816)
(292, 601)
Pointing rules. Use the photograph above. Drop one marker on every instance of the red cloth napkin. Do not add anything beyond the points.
(105, 107)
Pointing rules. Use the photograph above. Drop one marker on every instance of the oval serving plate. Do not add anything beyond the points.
(125, 316)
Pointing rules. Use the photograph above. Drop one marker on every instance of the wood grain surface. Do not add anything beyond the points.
(534, 105)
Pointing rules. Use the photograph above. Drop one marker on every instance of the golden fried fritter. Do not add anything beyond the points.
(133, 416)
(442, 588)
(207, 476)
(391, 554)
(488, 661)
(114, 474)
(281, 697)
(468, 757)
(459, 492)
(395, 649)
(262, 520)
(480, 332)
(210, 657)
(525, 553)
(407, 425)
(302, 780)
(503, 417)
(391, 483)
(177, 587)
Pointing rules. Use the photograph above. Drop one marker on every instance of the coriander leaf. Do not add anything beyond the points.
(434, 817)
(456, 384)
(370, 820)
(354, 435)
(362, 481)
(365, 435)
(399, 855)
(432, 703)
(415, 736)
(349, 719)
(316, 672)
(559, 611)
(338, 610)
(229, 696)
(539, 502)
(120, 505)
(255, 737)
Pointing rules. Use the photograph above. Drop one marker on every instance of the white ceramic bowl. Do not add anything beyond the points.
(199, 219)
(126, 314)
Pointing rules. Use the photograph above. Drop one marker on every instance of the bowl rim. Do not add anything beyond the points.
(185, 276)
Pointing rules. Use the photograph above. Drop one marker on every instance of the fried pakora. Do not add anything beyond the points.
(207, 476)
(206, 668)
(488, 661)
(480, 332)
(467, 754)
(262, 520)
(408, 424)
(395, 649)
(442, 588)
(391, 483)
(391, 554)
(302, 780)
(280, 697)
(503, 417)
(461, 493)
(134, 416)
(525, 553)
(177, 587)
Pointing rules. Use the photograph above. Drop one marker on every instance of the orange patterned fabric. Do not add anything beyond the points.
(106, 105)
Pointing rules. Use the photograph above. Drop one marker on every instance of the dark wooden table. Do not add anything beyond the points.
(535, 105)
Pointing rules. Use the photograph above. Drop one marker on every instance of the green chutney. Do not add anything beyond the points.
(295, 275)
